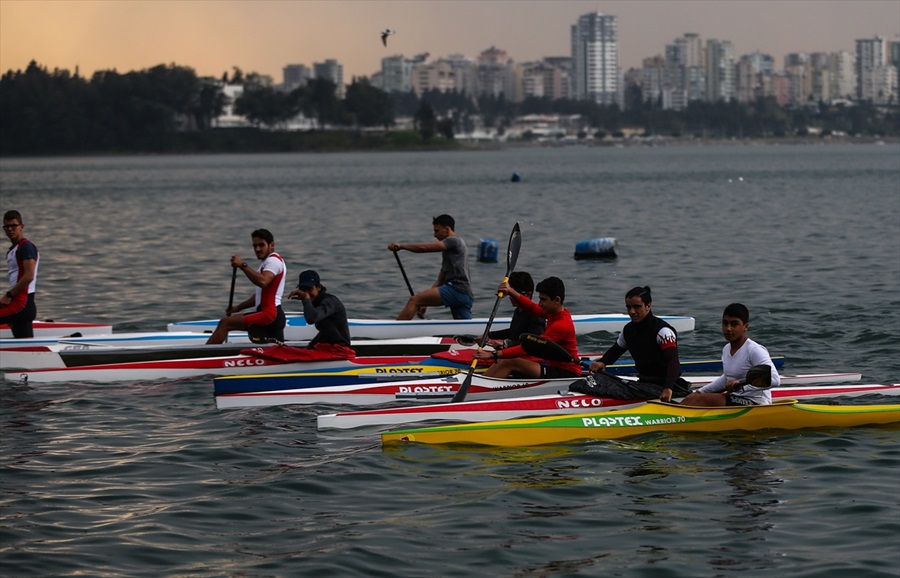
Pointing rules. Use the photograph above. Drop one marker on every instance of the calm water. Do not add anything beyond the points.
(149, 479)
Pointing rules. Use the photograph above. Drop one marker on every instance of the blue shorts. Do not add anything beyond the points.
(460, 303)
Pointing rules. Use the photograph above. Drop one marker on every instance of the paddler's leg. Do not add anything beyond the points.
(231, 323)
(429, 297)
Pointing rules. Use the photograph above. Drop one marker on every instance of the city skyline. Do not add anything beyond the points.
(212, 37)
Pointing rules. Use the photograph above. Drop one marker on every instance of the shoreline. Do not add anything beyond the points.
(301, 143)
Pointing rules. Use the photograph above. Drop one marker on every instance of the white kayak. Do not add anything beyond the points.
(30, 354)
(443, 388)
(45, 329)
(298, 330)
(548, 405)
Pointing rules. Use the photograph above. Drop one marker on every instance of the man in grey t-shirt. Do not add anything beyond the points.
(452, 288)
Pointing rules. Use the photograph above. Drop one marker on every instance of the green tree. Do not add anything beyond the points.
(425, 120)
(368, 105)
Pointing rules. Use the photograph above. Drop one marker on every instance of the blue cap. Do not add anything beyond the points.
(308, 278)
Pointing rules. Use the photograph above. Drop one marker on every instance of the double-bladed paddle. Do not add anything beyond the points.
(512, 255)
(538, 346)
(759, 376)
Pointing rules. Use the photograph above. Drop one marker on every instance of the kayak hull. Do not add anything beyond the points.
(50, 354)
(313, 378)
(653, 417)
(297, 329)
(435, 389)
(50, 329)
(548, 405)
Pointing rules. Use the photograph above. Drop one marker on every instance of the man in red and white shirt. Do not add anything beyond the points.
(269, 280)
(17, 307)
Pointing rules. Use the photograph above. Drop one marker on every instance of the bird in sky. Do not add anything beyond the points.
(385, 34)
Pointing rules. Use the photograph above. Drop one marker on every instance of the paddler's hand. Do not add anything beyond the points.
(666, 395)
(597, 366)
(483, 354)
(504, 289)
(298, 294)
(236, 261)
(394, 247)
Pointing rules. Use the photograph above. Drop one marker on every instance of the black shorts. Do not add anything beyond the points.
(732, 399)
(550, 372)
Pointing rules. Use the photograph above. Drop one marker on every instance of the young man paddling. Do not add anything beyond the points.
(452, 288)
(522, 321)
(513, 361)
(738, 356)
(17, 306)
(269, 281)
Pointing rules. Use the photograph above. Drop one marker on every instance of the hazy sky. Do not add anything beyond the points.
(212, 36)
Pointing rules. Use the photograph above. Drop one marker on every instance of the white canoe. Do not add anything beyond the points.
(554, 404)
(30, 354)
(443, 388)
(298, 330)
(60, 329)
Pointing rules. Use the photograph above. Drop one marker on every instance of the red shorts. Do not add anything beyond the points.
(261, 318)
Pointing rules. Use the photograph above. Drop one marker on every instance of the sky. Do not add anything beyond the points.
(213, 36)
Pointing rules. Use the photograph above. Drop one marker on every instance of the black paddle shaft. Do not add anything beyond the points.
(512, 255)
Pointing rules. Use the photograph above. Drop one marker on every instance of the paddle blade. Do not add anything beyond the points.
(759, 376)
(538, 346)
(512, 249)
(467, 382)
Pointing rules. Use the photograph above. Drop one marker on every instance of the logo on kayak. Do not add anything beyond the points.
(630, 420)
(579, 402)
(425, 389)
(399, 369)
(244, 362)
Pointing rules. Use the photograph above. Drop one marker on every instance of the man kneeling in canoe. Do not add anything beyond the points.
(269, 281)
(738, 356)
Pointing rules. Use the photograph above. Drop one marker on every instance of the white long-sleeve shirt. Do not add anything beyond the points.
(736, 367)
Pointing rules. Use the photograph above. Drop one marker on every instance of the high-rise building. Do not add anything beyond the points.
(454, 73)
(842, 75)
(595, 59)
(751, 74)
(876, 78)
(686, 53)
(295, 75)
(719, 70)
(331, 70)
(496, 75)
(396, 73)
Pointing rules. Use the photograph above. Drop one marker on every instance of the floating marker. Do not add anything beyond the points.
(488, 250)
(602, 248)
(516, 177)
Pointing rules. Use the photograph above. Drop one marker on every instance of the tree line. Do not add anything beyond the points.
(56, 112)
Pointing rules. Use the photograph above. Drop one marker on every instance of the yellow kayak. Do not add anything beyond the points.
(651, 417)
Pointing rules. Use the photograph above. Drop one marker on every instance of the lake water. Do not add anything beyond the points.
(149, 479)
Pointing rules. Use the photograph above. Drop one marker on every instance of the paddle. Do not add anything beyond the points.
(537, 346)
(759, 376)
(405, 278)
(231, 294)
(512, 255)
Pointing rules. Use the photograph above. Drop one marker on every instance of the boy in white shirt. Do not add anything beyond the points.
(738, 356)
